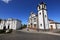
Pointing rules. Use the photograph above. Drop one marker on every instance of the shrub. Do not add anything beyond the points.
(2, 31)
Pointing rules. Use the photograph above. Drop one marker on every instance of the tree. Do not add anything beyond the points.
(24, 26)
(0, 20)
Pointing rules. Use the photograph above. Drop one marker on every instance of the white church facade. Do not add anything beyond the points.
(41, 20)
(10, 23)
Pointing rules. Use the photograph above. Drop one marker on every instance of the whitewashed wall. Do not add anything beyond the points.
(46, 19)
(54, 26)
(40, 20)
(18, 25)
(13, 24)
(58, 26)
(31, 20)
(2, 24)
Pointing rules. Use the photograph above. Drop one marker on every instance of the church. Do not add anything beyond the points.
(41, 20)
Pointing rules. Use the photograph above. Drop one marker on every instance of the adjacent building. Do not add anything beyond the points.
(54, 25)
(41, 20)
(10, 23)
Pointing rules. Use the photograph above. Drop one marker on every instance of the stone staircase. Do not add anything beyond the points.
(30, 30)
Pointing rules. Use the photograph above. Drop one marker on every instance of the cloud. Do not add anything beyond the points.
(6, 1)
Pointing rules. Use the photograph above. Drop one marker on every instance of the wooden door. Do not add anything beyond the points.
(31, 25)
(51, 27)
(34, 26)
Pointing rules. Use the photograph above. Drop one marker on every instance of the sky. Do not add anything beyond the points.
(21, 9)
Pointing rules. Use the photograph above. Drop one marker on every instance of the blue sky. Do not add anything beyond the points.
(20, 9)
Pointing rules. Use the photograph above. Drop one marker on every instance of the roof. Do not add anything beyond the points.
(50, 20)
(10, 19)
(54, 23)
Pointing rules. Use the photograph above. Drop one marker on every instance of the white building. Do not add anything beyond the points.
(54, 25)
(42, 16)
(41, 21)
(32, 23)
(10, 24)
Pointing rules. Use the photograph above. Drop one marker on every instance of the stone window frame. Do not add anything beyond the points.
(41, 25)
(34, 19)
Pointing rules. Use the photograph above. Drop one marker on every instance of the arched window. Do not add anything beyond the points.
(8, 26)
(39, 7)
(45, 15)
(40, 13)
(34, 19)
(41, 25)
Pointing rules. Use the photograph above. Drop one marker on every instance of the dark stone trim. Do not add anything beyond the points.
(43, 9)
(43, 19)
(56, 26)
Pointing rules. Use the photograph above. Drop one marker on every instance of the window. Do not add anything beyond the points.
(40, 24)
(39, 7)
(44, 6)
(34, 24)
(8, 26)
(34, 19)
(40, 13)
(45, 15)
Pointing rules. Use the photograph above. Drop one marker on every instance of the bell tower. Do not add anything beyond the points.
(42, 16)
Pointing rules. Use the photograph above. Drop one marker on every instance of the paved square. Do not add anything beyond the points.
(28, 36)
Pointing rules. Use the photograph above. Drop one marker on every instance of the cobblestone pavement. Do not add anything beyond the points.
(17, 35)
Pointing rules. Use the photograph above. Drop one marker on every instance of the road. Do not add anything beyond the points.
(28, 36)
